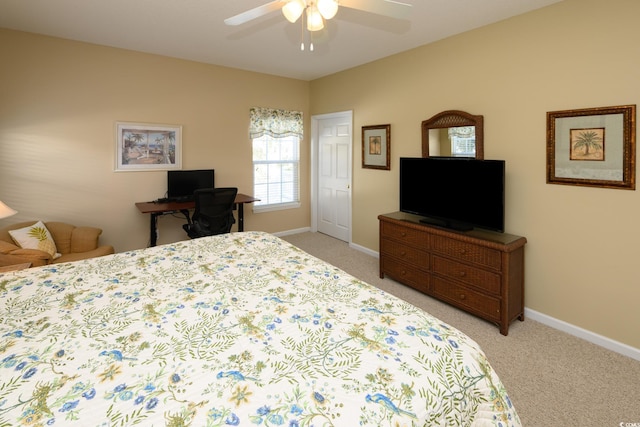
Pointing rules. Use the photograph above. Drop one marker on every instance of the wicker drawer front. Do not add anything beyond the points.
(473, 301)
(408, 236)
(406, 274)
(468, 252)
(405, 253)
(483, 279)
(479, 272)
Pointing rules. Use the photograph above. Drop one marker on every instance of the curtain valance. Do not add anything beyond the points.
(275, 123)
(462, 132)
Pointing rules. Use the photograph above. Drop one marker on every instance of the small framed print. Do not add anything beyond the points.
(144, 147)
(594, 147)
(586, 144)
(376, 147)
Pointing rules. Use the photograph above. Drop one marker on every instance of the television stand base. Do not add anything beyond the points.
(452, 225)
(478, 271)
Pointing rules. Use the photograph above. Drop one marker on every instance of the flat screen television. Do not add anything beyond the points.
(454, 193)
(182, 183)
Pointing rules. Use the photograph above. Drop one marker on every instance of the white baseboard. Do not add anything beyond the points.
(289, 232)
(552, 322)
(586, 335)
(365, 250)
(560, 325)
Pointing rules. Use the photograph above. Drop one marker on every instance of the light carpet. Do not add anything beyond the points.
(553, 378)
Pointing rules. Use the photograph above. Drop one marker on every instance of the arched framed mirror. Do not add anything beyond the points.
(453, 133)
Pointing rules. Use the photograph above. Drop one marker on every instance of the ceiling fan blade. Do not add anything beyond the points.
(392, 8)
(254, 13)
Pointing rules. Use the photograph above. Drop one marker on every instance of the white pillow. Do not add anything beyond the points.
(35, 236)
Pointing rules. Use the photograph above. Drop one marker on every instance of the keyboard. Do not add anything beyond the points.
(173, 199)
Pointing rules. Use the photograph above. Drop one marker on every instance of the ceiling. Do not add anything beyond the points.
(194, 30)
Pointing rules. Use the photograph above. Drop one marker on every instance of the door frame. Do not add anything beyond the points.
(315, 167)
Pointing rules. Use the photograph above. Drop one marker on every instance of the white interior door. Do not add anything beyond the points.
(333, 171)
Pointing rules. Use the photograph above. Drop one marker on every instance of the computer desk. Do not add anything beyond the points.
(156, 209)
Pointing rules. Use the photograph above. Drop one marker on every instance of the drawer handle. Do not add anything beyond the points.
(403, 272)
(403, 253)
(462, 296)
(463, 251)
(403, 234)
(462, 273)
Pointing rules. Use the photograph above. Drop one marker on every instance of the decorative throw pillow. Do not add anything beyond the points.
(35, 236)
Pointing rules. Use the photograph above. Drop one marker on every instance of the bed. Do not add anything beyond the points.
(239, 329)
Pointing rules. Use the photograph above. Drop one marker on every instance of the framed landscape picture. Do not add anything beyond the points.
(141, 147)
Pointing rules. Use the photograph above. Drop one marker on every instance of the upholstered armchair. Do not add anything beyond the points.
(71, 243)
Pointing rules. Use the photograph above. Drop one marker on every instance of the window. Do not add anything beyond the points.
(463, 141)
(276, 136)
(275, 170)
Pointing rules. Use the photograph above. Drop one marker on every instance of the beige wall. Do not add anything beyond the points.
(59, 101)
(582, 252)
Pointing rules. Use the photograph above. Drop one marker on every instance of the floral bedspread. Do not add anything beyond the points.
(240, 329)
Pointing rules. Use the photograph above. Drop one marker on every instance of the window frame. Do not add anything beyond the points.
(264, 205)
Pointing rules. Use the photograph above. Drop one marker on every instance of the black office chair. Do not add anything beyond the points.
(213, 212)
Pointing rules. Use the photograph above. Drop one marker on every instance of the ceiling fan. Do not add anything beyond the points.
(319, 10)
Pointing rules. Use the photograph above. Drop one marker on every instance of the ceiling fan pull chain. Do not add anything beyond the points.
(302, 33)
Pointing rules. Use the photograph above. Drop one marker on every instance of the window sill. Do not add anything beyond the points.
(278, 207)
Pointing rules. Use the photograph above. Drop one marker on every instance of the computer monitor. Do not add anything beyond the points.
(182, 183)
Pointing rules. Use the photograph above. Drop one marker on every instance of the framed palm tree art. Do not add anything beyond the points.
(144, 146)
(376, 147)
(592, 147)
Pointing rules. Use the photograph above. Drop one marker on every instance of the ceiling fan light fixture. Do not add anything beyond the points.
(293, 10)
(327, 8)
(314, 19)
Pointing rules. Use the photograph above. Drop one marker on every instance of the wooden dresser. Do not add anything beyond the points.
(481, 272)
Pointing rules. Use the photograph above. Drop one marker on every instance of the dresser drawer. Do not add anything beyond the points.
(468, 252)
(405, 273)
(480, 272)
(405, 235)
(473, 301)
(405, 253)
(483, 279)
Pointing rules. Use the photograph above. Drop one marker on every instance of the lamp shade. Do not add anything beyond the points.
(293, 10)
(327, 8)
(6, 211)
(314, 19)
